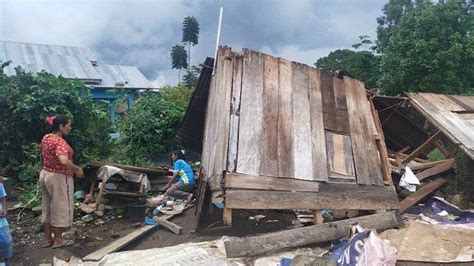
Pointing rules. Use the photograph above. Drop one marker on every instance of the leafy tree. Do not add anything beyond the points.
(190, 34)
(178, 59)
(362, 65)
(26, 100)
(151, 125)
(393, 11)
(191, 78)
(430, 48)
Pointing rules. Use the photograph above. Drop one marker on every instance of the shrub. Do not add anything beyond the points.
(26, 100)
(151, 125)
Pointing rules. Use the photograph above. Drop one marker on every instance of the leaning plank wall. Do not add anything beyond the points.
(267, 116)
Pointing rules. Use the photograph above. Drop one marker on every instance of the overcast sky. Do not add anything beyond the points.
(142, 32)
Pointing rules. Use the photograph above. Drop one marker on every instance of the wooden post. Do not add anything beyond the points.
(318, 217)
(101, 194)
(227, 216)
(423, 147)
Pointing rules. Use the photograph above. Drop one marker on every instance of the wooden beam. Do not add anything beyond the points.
(227, 216)
(438, 169)
(118, 244)
(269, 183)
(359, 198)
(421, 194)
(163, 221)
(430, 164)
(423, 147)
(387, 177)
(405, 149)
(256, 245)
(443, 150)
(147, 170)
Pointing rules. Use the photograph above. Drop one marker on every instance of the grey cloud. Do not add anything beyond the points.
(142, 32)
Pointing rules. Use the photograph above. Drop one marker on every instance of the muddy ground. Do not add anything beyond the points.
(103, 230)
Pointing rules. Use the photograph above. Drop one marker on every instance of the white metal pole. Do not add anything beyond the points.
(218, 39)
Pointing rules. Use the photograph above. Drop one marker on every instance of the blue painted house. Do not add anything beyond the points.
(76, 63)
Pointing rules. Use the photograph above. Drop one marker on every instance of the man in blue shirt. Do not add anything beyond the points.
(5, 235)
(183, 176)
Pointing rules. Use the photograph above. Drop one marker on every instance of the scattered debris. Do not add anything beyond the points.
(256, 245)
(87, 218)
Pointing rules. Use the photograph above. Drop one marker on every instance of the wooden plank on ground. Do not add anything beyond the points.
(285, 120)
(248, 158)
(375, 198)
(268, 150)
(435, 170)
(256, 245)
(423, 147)
(359, 144)
(318, 140)
(119, 243)
(237, 181)
(163, 221)
(235, 115)
(302, 148)
(421, 194)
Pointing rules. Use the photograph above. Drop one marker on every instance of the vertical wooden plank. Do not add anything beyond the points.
(349, 159)
(357, 132)
(329, 104)
(224, 111)
(285, 119)
(318, 144)
(340, 160)
(373, 156)
(302, 149)
(387, 177)
(342, 120)
(207, 145)
(367, 132)
(248, 161)
(269, 151)
(235, 114)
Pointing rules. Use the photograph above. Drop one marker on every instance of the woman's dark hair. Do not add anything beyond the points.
(179, 155)
(57, 120)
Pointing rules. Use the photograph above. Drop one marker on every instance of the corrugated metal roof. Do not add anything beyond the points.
(127, 76)
(69, 62)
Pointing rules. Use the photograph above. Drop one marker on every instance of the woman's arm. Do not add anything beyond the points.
(68, 164)
(172, 180)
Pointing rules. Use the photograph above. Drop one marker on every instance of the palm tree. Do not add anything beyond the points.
(178, 59)
(190, 34)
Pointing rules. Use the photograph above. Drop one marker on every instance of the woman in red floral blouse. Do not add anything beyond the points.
(56, 181)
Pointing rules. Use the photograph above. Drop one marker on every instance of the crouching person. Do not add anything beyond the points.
(182, 184)
(5, 235)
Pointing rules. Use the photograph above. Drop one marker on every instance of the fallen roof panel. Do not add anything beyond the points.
(454, 118)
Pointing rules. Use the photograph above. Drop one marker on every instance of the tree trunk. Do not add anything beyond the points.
(189, 55)
(179, 76)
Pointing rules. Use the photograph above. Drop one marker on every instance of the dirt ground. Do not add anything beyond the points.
(92, 236)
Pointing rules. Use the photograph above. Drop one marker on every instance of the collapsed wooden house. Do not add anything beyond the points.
(416, 125)
(283, 135)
